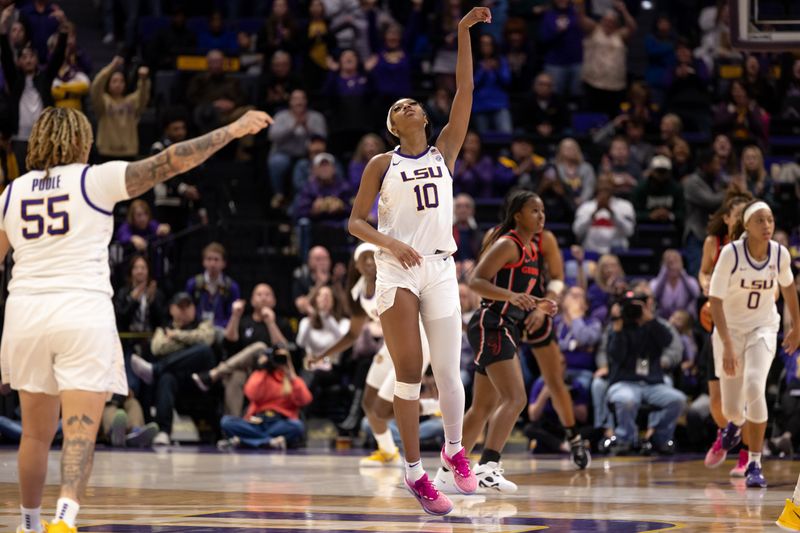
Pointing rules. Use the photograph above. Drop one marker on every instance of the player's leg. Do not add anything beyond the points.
(757, 360)
(39, 424)
(484, 402)
(732, 402)
(379, 410)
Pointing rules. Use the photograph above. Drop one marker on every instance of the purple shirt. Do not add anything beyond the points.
(563, 47)
(475, 180)
(580, 396)
(392, 79)
(683, 296)
(578, 340)
(126, 231)
(313, 190)
(41, 26)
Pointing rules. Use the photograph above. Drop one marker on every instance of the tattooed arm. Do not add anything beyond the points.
(142, 175)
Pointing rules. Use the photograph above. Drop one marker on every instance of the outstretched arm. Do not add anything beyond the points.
(452, 136)
(181, 157)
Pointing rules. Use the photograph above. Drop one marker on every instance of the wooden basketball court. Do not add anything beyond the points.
(190, 490)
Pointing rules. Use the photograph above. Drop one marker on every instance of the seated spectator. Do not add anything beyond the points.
(642, 151)
(682, 162)
(216, 96)
(140, 228)
(640, 106)
(247, 337)
(465, 230)
(314, 274)
(756, 178)
(703, 194)
(624, 170)
(473, 170)
(275, 394)
(609, 283)
(368, 147)
(690, 376)
(117, 113)
(606, 221)
(490, 105)
(788, 89)
(578, 336)
(687, 92)
(760, 88)
(123, 423)
(635, 347)
(278, 83)
(318, 43)
(561, 34)
(140, 306)
(659, 198)
(182, 348)
(326, 196)
(545, 113)
(170, 42)
(216, 37)
(573, 170)
(558, 199)
(520, 168)
(290, 135)
(390, 68)
(725, 154)
(470, 303)
(787, 438)
(670, 129)
(741, 117)
(673, 288)
(301, 172)
(280, 31)
(212, 291)
(72, 82)
(349, 95)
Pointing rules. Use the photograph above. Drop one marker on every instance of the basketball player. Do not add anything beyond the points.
(379, 389)
(60, 348)
(746, 320)
(505, 276)
(416, 273)
(719, 230)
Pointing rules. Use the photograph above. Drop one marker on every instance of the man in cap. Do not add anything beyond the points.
(659, 198)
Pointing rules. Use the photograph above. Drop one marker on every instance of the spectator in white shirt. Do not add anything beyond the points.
(605, 222)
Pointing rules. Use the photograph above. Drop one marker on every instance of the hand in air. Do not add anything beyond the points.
(250, 123)
(476, 15)
(407, 256)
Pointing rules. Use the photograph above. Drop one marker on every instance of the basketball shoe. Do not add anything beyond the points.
(753, 476)
(381, 458)
(21, 529)
(578, 453)
(741, 465)
(60, 527)
(432, 501)
(789, 519)
(490, 477)
(458, 464)
(727, 438)
(444, 482)
(119, 426)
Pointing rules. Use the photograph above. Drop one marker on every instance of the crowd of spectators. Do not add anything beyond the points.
(626, 120)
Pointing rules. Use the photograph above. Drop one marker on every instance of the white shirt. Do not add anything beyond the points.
(60, 227)
(416, 202)
(317, 341)
(30, 107)
(747, 288)
(601, 230)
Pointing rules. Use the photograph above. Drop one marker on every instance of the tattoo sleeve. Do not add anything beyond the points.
(142, 175)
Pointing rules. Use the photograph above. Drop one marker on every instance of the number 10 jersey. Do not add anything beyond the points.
(416, 202)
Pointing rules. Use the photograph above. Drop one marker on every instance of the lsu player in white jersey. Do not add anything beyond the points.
(60, 348)
(748, 274)
(416, 273)
(379, 388)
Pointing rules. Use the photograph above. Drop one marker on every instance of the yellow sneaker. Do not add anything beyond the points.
(381, 458)
(21, 529)
(60, 527)
(790, 517)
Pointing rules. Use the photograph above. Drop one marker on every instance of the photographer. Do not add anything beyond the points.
(276, 394)
(636, 345)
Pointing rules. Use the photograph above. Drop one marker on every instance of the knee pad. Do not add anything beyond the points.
(407, 391)
(756, 411)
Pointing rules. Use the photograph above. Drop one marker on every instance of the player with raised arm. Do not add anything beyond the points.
(60, 346)
(416, 273)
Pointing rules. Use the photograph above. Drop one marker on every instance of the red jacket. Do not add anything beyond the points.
(265, 392)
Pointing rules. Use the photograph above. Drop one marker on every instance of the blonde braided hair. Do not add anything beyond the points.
(60, 136)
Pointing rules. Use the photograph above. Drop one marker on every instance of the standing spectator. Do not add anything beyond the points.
(605, 59)
(72, 82)
(576, 174)
(660, 48)
(278, 83)
(641, 150)
(728, 162)
(216, 37)
(673, 288)
(170, 42)
(605, 222)
(490, 105)
(758, 86)
(140, 227)
(741, 117)
(703, 195)
(687, 92)
(118, 114)
(390, 69)
(557, 197)
(577, 335)
(349, 94)
(318, 43)
(757, 180)
(217, 97)
(43, 18)
(520, 169)
(275, 394)
(609, 282)
(465, 230)
(788, 89)
(520, 57)
(561, 35)
(659, 198)
(314, 274)
(18, 36)
(213, 291)
(280, 30)
(474, 171)
(139, 304)
(682, 163)
(547, 116)
(439, 105)
(290, 134)
(445, 44)
(368, 147)
(670, 129)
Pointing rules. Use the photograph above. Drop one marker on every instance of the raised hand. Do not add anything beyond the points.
(250, 123)
(476, 15)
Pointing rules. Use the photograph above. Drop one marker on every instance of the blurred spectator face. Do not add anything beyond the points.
(262, 296)
(681, 152)
(323, 302)
(515, 40)
(179, 18)
(670, 127)
(781, 237)
(575, 297)
(543, 87)
(393, 38)
(141, 217)
(281, 64)
(17, 35)
(610, 268)
(116, 85)
(348, 62)
(442, 99)
(216, 62)
(619, 151)
(325, 172)
(682, 321)
(472, 144)
(316, 146)
(371, 147)
(298, 103)
(319, 259)
(634, 131)
(214, 264)
(463, 208)
(280, 8)
(215, 22)
(672, 261)
(605, 187)
(561, 4)
(316, 9)
(140, 271)
(752, 66)
(569, 150)
(610, 21)
(663, 26)
(28, 61)
(739, 94)
(712, 168)
(182, 315)
(176, 131)
(752, 160)
(638, 93)
(722, 146)
(521, 150)
(486, 46)
(683, 54)
(796, 69)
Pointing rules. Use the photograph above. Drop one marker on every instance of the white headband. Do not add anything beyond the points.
(389, 121)
(750, 211)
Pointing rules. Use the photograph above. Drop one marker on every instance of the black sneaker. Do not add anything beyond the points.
(578, 453)
(203, 381)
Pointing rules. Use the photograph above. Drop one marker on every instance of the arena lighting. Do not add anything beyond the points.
(647, 5)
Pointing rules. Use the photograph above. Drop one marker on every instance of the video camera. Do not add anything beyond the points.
(632, 306)
(276, 356)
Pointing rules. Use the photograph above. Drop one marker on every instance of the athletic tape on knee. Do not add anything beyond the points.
(407, 391)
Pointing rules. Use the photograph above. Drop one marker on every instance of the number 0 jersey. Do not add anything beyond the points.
(747, 288)
(60, 226)
(416, 202)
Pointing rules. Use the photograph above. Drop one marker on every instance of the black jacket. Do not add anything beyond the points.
(627, 347)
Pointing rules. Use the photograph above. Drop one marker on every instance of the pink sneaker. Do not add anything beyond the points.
(716, 454)
(432, 501)
(465, 480)
(741, 466)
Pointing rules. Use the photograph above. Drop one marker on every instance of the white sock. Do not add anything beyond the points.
(754, 457)
(414, 470)
(31, 519)
(67, 511)
(451, 448)
(796, 495)
(386, 442)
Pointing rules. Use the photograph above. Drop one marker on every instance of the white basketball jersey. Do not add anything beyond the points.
(416, 202)
(748, 288)
(369, 305)
(60, 227)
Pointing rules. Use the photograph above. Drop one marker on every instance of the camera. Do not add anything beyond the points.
(632, 305)
(276, 356)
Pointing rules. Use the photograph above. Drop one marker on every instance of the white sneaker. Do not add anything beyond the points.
(490, 478)
(162, 439)
(21, 529)
(444, 482)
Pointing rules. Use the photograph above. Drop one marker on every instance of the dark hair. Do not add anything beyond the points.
(738, 228)
(705, 157)
(428, 126)
(716, 224)
(744, 87)
(513, 204)
(337, 311)
(132, 263)
(174, 114)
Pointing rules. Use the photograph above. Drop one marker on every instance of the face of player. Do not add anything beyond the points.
(213, 263)
(263, 296)
(761, 225)
(407, 115)
(531, 217)
(366, 265)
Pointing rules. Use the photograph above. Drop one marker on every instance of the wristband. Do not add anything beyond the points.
(556, 286)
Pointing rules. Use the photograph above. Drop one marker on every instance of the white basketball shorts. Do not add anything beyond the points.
(745, 344)
(381, 372)
(62, 341)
